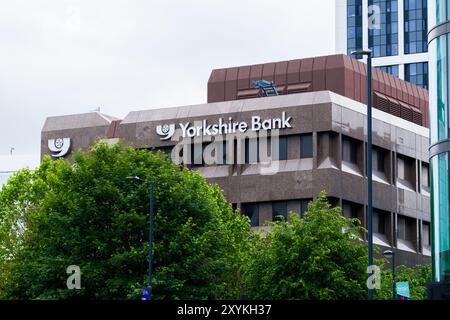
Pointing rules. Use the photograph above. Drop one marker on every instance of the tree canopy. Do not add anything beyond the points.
(318, 257)
(87, 213)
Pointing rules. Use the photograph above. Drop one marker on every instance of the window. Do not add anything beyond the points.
(390, 69)
(417, 73)
(405, 228)
(401, 171)
(283, 147)
(251, 150)
(383, 41)
(196, 150)
(349, 150)
(348, 211)
(426, 235)
(304, 207)
(279, 208)
(378, 159)
(354, 26)
(379, 221)
(416, 26)
(306, 146)
(251, 210)
(425, 177)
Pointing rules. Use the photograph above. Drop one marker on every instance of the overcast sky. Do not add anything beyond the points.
(66, 56)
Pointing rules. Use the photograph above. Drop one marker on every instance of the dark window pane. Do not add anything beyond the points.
(279, 208)
(306, 148)
(417, 73)
(349, 150)
(283, 148)
(304, 207)
(251, 210)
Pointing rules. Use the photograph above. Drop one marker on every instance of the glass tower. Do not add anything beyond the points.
(354, 26)
(438, 48)
(395, 31)
(383, 41)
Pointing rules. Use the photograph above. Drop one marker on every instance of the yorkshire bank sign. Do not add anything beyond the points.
(203, 128)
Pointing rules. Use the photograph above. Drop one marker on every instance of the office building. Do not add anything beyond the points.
(317, 131)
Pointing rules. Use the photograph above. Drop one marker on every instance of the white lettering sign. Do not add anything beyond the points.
(203, 128)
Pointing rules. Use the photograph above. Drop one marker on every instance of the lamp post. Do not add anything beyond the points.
(368, 53)
(391, 256)
(150, 238)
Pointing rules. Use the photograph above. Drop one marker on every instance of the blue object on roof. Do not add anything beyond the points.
(267, 87)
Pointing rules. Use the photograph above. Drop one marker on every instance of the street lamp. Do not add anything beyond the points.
(391, 256)
(150, 238)
(368, 53)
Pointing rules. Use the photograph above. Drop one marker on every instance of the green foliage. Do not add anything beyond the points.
(88, 214)
(417, 277)
(318, 257)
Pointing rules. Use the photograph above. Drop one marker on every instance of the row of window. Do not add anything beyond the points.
(404, 169)
(406, 229)
(383, 27)
(302, 143)
(383, 32)
(416, 27)
(406, 172)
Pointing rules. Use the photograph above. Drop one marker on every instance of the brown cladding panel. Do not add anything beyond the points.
(410, 90)
(387, 84)
(375, 81)
(381, 83)
(256, 72)
(416, 96)
(244, 78)
(231, 84)
(392, 86)
(319, 66)
(395, 85)
(402, 90)
(349, 78)
(281, 73)
(335, 74)
(363, 72)
(293, 71)
(268, 71)
(357, 80)
(306, 70)
(216, 85)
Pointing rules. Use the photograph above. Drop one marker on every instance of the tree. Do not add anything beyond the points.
(318, 257)
(418, 277)
(87, 213)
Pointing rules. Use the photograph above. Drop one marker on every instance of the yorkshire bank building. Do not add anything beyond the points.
(274, 135)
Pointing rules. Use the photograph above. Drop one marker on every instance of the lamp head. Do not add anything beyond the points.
(362, 52)
(388, 254)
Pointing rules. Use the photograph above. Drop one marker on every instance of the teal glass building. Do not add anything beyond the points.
(439, 79)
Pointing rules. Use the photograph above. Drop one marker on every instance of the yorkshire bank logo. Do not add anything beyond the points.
(166, 131)
(59, 147)
(203, 128)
